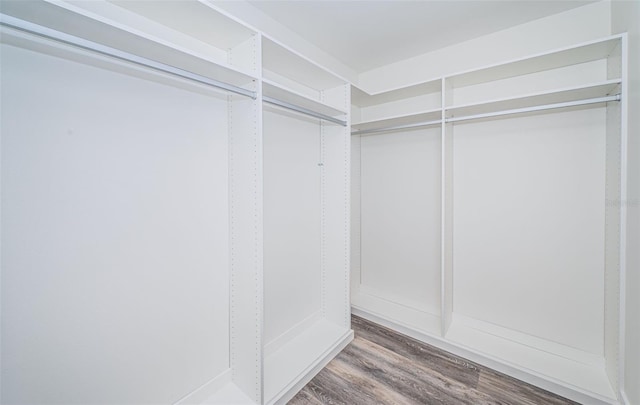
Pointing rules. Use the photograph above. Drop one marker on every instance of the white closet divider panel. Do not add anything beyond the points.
(356, 217)
(335, 189)
(115, 234)
(246, 247)
(446, 220)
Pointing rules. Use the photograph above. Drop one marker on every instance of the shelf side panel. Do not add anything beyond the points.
(356, 190)
(613, 204)
(245, 153)
(245, 55)
(336, 213)
(336, 143)
(447, 227)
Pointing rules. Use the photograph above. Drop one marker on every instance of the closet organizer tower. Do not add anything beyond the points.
(184, 183)
(486, 214)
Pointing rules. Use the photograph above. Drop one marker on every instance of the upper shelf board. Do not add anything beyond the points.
(588, 52)
(89, 28)
(594, 90)
(401, 120)
(282, 61)
(274, 90)
(364, 99)
(194, 18)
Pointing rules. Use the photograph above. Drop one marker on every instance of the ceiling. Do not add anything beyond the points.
(365, 34)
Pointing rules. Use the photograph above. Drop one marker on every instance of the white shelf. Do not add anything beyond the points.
(193, 18)
(298, 359)
(286, 63)
(406, 316)
(282, 93)
(574, 55)
(577, 93)
(109, 25)
(527, 353)
(364, 99)
(400, 120)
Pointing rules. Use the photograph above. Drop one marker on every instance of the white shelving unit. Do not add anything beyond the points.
(306, 157)
(262, 154)
(530, 154)
(396, 174)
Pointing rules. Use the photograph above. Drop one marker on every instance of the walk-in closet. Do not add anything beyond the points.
(197, 197)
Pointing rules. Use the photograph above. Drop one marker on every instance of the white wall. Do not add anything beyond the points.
(625, 17)
(292, 276)
(564, 29)
(529, 214)
(400, 213)
(114, 235)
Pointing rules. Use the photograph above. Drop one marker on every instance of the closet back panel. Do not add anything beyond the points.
(529, 225)
(114, 235)
(292, 276)
(400, 217)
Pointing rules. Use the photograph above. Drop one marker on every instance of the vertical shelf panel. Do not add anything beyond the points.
(336, 155)
(447, 211)
(245, 227)
(356, 222)
(614, 214)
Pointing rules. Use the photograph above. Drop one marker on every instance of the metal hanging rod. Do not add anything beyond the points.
(95, 47)
(396, 128)
(616, 97)
(302, 110)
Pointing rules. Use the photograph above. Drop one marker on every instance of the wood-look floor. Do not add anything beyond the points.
(384, 367)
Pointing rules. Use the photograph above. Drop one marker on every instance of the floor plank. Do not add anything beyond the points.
(384, 367)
